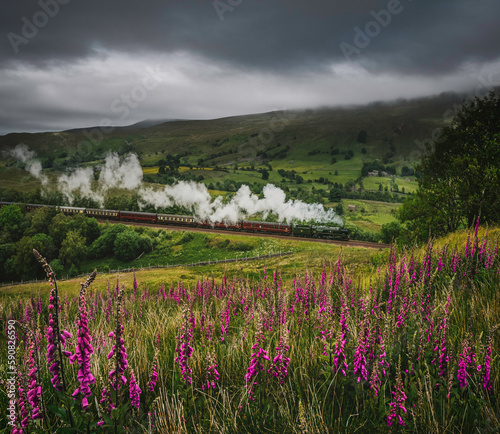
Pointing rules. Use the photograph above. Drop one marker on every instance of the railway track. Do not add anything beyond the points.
(361, 244)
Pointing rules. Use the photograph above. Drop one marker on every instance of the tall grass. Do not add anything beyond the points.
(414, 349)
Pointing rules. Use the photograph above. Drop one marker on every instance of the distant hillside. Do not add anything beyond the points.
(311, 137)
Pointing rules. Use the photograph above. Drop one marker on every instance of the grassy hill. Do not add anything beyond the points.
(240, 138)
(325, 147)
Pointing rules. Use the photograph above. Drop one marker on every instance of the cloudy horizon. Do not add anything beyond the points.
(67, 64)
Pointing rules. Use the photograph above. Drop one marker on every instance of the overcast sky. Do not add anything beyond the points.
(73, 63)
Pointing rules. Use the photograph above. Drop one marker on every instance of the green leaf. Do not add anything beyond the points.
(122, 410)
(107, 420)
(58, 411)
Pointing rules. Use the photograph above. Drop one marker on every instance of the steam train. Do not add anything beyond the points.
(307, 231)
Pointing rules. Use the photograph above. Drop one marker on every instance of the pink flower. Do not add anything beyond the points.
(398, 404)
(83, 352)
(135, 392)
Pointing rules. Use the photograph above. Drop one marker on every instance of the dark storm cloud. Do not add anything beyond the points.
(74, 63)
(426, 37)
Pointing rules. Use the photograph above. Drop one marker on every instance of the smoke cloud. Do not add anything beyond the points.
(21, 153)
(243, 204)
(126, 173)
(122, 173)
(79, 180)
(24, 155)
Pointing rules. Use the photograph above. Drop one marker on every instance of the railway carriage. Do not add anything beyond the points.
(32, 206)
(171, 219)
(103, 213)
(68, 210)
(220, 225)
(269, 227)
(138, 216)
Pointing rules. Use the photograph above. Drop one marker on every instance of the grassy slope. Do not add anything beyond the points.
(319, 130)
(204, 247)
(402, 122)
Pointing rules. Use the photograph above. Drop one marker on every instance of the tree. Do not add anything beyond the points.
(6, 252)
(24, 262)
(45, 245)
(10, 219)
(57, 267)
(145, 243)
(88, 227)
(362, 135)
(460, 174)
(127, 245)
(265, 174)
(406, 171)
(104, 245)
(339, 209)
(335, 195)
(73, 249)
(58, 228)
(390, 231)
(40, 221)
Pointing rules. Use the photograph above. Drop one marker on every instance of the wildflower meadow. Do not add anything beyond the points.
(410, 347)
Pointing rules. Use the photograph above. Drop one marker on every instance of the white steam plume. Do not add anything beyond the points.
(23, 154)
(196, 197)
(79, 180)
(117, 172)
(126, 173)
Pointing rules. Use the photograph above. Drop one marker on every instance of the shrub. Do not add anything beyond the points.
(127, 245)
(390, 232)
(185, 238)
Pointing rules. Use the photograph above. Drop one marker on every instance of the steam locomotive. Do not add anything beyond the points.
(307, 231)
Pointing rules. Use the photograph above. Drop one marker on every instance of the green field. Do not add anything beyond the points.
(369, 214)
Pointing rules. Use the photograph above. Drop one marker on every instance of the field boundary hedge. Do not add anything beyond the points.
(151, 267)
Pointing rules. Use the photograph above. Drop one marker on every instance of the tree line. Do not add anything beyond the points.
(460, 174)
